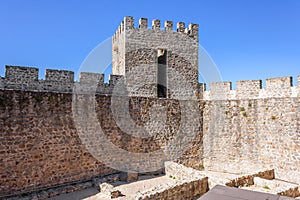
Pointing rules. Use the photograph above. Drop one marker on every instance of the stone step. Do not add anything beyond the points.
(275, 186)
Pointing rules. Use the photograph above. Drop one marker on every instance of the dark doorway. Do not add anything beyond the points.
(162, 73)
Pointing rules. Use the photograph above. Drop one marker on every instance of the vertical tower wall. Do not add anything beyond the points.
(118, 51)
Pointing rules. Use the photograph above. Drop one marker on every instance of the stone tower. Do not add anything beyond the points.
(157, 62)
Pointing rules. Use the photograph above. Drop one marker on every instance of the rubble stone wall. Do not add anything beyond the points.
(135, 54)
(40, 144)
(253, 127)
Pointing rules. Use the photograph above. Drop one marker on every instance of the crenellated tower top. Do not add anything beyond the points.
(128, 23)
(137, 56)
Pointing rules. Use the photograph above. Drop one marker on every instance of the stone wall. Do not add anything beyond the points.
(190, 184)
(59, 75)
(135, 53)
(239, 130)
(26, 78)
(21, 74)
(41, 145)
(253, 127)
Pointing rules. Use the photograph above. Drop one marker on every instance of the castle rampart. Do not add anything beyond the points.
(252, 89)
(253, 124)
(26, 78)
(248, 128)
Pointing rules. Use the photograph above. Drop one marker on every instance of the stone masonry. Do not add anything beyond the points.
(44, 134)
(135, 56)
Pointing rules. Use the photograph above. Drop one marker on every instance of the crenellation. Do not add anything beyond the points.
(122, 26)
(128, 23)
(137, 52)
(26, 78)
(280, 82)
(169, 26)
(220, 90)
(59, 75)
(156, 24)
(21, 74)
(143, 23)
(248, 89)
(92, 78)
(252, 89)
(193, 30)
(180, 27)
(59, 81)
(279, 87)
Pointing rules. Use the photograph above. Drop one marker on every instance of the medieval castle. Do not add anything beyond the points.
(49, 129)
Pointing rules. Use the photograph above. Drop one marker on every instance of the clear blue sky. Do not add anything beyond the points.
(247, 39)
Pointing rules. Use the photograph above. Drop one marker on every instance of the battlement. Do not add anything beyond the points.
(88, 77)
(128, 23)
(21, 74)
(59, 75)
(252, 89)
(26, 78)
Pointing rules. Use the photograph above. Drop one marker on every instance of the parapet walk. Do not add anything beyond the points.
(26, 78)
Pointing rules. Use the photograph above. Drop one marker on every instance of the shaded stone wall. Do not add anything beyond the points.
(41, 148)
(39, 144)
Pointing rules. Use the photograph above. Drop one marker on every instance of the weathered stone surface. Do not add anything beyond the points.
(41, 147)
(135, 50)
(189, 184)
(227, 130)
(131, 176)
(106, 188)
(255, 134)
